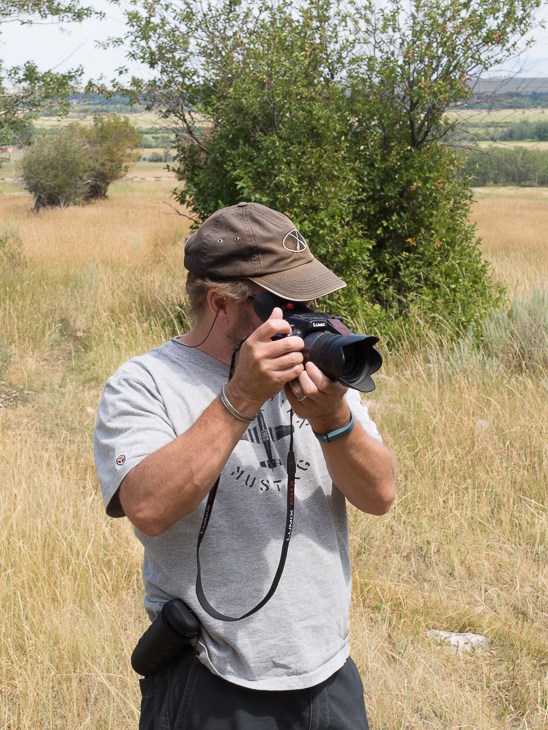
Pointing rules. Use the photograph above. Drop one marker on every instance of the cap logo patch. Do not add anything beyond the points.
(294, 242)
(120, 460)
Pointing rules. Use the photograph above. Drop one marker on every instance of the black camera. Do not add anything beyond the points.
(328, 343)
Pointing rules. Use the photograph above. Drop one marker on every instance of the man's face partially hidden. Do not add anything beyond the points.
(247, 321)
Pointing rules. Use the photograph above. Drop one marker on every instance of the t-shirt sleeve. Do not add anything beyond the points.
(131, 424)
(361, 414)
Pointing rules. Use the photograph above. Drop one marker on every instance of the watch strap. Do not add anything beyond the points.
(327, 438)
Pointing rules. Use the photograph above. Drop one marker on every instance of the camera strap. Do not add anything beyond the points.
(291, 469)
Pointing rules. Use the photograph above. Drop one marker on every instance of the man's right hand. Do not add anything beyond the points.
(264, 366)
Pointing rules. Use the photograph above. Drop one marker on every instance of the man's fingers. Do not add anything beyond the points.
(314, 379)
(296, 388)
(272, 327)
(286, 361)
(276, 313)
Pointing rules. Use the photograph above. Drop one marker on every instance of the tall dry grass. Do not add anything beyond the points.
(464, 548)
(513, 223)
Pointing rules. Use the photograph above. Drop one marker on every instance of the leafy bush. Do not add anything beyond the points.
(76, 163)
(155, 157)
(56, 169)
(316, 110)
(11, 245)
(517, 336)
(518, 132)
(113, 141)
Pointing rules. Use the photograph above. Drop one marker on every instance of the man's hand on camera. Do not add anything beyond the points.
(263, 367)
(324, 406)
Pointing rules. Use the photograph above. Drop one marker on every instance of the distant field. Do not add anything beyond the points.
(513, 224)
(524, 143)
(482, 116)
(140, 119)
(141, 170)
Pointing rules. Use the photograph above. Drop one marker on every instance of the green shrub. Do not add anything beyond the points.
(541, 131)
(76, 163)
(113, 140)
(517, 336)
(334, 114)
(518, 132)
(56, 169)
(382, 208)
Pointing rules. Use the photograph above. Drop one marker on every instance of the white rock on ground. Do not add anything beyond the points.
(460, 642)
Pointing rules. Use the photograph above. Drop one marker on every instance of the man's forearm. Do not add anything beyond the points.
(361, 467)
(170, 483)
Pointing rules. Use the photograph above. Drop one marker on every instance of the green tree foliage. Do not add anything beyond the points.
(334, 115)
(518, 132)
(524, 130)
(56, 168)
(25, 90)
(507, 166)
(77, 163)
(541, 131)
(113, 140)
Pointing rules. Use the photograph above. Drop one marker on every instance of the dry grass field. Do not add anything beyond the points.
(531, 145)
(513, 224)
(464, 548)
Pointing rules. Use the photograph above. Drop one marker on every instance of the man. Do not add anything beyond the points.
(165, 432)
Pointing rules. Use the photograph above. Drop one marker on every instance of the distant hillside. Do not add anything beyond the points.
(515, 92)
(116, 104)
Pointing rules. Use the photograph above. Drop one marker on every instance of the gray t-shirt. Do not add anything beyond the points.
(300, 637)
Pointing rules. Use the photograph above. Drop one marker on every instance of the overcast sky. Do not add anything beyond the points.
(52, 46)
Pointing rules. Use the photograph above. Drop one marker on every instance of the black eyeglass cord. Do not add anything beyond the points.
(290, 513)
(193, 347)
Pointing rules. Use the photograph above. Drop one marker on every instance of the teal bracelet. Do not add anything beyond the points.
(327, 438)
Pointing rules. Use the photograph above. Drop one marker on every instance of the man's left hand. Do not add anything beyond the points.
(324, 406)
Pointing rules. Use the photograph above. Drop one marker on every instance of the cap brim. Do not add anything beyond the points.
(302, 283)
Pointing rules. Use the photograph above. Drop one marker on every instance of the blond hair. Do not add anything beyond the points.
(238, 290)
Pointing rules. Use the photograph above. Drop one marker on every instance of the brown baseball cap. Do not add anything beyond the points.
(251, 241)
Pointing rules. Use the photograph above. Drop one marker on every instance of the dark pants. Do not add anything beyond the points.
(187, 696)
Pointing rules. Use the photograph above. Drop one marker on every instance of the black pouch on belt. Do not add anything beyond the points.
(172, 628)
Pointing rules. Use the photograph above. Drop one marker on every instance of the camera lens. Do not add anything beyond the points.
(351, 360)
(352, 363)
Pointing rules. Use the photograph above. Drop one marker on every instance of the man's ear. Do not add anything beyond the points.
(218, 306)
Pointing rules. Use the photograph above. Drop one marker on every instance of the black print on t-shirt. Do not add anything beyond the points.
(261, 433)
(264, 485)
(266, 435)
